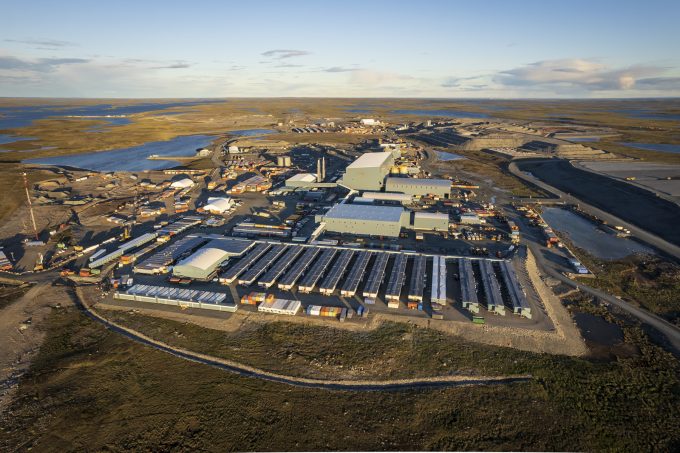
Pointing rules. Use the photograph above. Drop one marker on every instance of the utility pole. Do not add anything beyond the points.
(30, 207)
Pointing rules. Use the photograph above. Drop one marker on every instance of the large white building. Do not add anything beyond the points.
(182, 183)
(203, 264)
(218, 205)
(368, 172)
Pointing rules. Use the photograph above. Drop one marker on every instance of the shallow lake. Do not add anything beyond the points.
(133, 158)
(446, 156)
(584, 139)
(584, 234)
(664, 148)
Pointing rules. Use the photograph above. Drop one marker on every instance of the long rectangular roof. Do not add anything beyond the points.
(370, 160)
(365, 212)
(419, 182)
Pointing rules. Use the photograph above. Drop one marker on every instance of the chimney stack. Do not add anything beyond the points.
(323, 168)
(318, 170)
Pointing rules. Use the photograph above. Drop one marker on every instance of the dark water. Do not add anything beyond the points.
(133, 158)
(14, 117)
(6, 138)
(664, 148)
(111, 122)
(597, 329)
(444, 113)
(648, 114)
(584, 234)
(626, 201)
(251, 132)
(446, 156)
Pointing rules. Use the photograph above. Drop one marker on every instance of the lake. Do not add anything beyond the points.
(664, 148)
(585, 234)
(133, 158)
(446, 156)
(583, 139)
(444, 113)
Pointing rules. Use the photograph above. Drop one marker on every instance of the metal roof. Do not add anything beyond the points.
(205, 258)
(370, 160)
(365, 212)
(432, 215)
(218, 204)
(419, 182)
(396, 196)
(303, 177)
(233, 246)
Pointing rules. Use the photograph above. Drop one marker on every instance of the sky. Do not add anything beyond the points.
(251, 48)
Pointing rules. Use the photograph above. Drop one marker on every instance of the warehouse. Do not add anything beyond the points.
(470, 218)
(365, 219)
(182, 183)
(301, 180)
(218, 205)
(419, 187)
(203, 264)
(368, 172)
(436, 221)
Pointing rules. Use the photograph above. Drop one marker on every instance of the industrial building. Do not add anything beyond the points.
(301, 180)
(368, 172)
(470, 218)
(431, 221)
(363, 219)
(182, 183)
(185, 298)
(218, 205)
(419, 187)
(468, 285)
(203, 264)
(402, 198)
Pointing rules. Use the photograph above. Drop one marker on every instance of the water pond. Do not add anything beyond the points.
(585, 234)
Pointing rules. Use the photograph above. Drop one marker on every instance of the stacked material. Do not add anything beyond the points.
(256, 298)
(320, 310)
(280, 307)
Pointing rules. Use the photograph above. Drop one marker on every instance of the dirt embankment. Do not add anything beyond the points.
(21, 333)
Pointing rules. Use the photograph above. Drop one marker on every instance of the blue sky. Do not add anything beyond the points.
(344, 49)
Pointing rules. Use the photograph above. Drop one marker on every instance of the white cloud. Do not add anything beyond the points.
(281, 54)
(576, 74)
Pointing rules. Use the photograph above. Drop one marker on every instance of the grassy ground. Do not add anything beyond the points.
(492, 168)
(649, 281)
(90, 389)
(10, 293)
